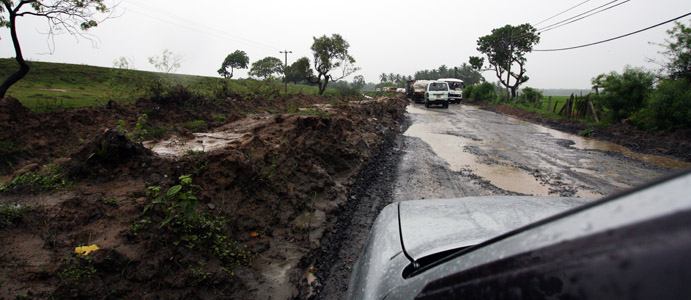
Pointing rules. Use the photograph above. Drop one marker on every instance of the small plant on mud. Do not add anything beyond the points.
(77, 268)
(586, 132)
(10, 214)
(49, 178)
(219, 118)
(194, 126)
(201, 231)
(179, 199)
(198, 165)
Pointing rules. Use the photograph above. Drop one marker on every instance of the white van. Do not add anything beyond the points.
(437, 92)
(455, 89)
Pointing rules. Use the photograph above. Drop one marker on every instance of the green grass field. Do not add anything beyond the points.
(50, 86)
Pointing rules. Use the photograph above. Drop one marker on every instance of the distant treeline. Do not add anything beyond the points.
(565, 92)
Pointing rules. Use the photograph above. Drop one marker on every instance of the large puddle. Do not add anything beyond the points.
(591, 144)
(505, 174)
(450, 148)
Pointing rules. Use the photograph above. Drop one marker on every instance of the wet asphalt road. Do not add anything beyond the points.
(466, 151)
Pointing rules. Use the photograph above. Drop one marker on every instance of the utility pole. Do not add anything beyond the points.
(285, 79)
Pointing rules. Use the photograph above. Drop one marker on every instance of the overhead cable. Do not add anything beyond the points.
(614, 38)
(581, 18)
(578, 15)
(552, 17)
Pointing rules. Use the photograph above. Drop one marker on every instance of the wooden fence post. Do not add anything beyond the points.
(592, 109)
(556, 103)
(549, 103)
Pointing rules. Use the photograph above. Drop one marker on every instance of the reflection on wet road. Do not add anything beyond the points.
(466, 151)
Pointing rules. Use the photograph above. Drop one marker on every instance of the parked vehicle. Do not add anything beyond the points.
(634, 245)
(415, 89)
(437, 93)
(455, 89)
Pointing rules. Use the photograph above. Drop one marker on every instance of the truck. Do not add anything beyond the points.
(415, 90)
(455, 89)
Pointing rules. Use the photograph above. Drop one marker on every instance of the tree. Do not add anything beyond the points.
(167, 62)
(476, 62)
(331, 53)
(624, 94)
(383, 77)
(266, 67)
(505, 47)
(235, 60)
(300, 71)
(72, 16)
(469, 75)
(678, 52)
(358, 82)
(125, 63)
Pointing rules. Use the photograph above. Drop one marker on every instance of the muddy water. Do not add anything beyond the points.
(587, 143)
(521, 157)
(177, 146)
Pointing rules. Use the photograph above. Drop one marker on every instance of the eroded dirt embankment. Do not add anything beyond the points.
(261, 201)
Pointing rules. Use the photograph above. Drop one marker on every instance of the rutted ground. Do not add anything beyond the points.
(468, 151)
(267, 187)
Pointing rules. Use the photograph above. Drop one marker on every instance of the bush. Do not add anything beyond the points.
(624, 94)
(530, 96)
(669, 107)
(484, 92)
(468, 92)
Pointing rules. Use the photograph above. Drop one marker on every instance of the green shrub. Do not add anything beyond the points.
(669, 107)
(530, 96)
(484, 92)
(624, 94)
(468, 92)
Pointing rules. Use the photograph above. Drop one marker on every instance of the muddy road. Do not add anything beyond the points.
(467, 151)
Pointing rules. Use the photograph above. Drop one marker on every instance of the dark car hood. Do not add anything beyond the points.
(435, 225)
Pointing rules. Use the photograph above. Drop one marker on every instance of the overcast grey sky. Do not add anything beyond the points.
(385, 36)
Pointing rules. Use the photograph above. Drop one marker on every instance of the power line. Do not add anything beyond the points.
(578, 15)
(615, 38)
(581, 18)
(552, 17)
(218, 33)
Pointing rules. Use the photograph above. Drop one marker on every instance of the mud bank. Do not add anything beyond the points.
(233, 212)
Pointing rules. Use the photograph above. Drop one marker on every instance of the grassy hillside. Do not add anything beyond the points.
(50, 86)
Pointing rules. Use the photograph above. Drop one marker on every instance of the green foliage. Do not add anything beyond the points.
(530, 96)
(219, 118)
(10, 214)
(300, 71)
(464, 72)
(78, 268)
(358, 82)
(468, 92)
(678, 52)
(331, 53)
(49, 178)
(668, 108)
(235, 60)
(195, 230)
(624, 94)
(266, 67)
(483, 92)
(505, 47)
(586, 132)
(195, 126)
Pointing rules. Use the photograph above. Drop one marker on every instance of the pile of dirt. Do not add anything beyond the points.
(676, 144)
(261, 203)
